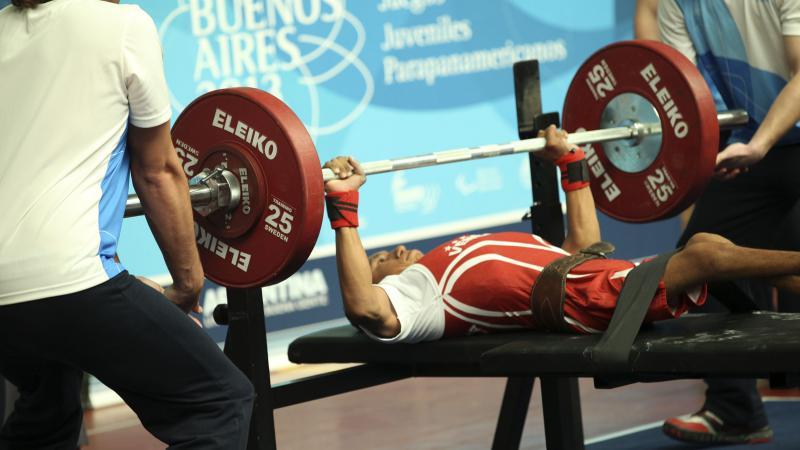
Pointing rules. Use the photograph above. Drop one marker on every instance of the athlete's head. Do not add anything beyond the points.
(386, 263)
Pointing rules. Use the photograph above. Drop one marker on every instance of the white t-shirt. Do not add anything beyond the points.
(73, 74)
(419, 306)
(738, 47)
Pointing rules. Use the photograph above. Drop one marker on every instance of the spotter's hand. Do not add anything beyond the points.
(171, 294)
(556, 144)
(349, 172)
(736, 159)
(151, 284)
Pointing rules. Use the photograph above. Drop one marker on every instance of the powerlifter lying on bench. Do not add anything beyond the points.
(482, 283)
(715, 345)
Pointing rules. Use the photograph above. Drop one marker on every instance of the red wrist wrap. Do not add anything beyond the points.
(342, 209)
(574, 171)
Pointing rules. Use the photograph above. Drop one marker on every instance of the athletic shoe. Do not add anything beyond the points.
(704, 427)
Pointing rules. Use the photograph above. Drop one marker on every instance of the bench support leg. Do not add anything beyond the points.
(561, 407)
(513, 412)
(246, 346)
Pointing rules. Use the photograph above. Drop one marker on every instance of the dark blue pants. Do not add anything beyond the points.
(183, 388)
(2, 400)
(756, 209)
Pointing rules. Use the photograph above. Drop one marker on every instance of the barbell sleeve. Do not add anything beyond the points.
(732, 118)
(726, 119)
(200, 195)
(215, 190)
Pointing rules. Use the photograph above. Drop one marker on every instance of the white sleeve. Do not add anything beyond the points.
(143, 71)
(406, 313)
(672, 28)
(419, 311)
(790, 17)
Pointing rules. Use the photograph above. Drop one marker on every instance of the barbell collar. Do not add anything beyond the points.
(726, 119)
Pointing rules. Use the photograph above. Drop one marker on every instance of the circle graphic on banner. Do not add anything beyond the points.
(292, 51)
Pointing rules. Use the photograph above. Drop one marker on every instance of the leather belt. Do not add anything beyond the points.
(548, 292)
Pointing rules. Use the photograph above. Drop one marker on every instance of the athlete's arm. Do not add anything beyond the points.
(645, 20)
(163, 189)
(365, 304)
(672, 29)
(782, 115)
(583, 228)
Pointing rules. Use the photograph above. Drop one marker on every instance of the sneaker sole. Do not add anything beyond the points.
(759, 437)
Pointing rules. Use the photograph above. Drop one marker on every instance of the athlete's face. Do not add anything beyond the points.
(385, 263)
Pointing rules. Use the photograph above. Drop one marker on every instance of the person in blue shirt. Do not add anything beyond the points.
(749, 53)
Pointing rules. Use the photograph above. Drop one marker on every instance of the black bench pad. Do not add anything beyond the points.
(758, 343)
(345, 344)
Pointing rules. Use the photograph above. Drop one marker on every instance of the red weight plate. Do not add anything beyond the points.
(673, 86)
(250, 129)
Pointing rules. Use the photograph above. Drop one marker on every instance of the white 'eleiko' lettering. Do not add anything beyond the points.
(258, 141)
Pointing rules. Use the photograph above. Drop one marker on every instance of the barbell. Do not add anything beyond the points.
(258, 191)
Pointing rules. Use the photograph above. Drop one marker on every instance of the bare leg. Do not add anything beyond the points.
(709, 257)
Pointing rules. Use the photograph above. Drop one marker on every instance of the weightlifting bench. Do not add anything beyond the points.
(743, 344)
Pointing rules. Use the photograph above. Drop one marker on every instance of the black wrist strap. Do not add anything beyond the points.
(577, 171)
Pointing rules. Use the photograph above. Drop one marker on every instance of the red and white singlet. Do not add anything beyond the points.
(482, 283)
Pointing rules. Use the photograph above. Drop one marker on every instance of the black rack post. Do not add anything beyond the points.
(246, 346)
(561, 405)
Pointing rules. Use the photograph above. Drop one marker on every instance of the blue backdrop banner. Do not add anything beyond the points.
(386, 79)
